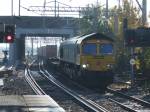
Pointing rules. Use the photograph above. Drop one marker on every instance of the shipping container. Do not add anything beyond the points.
(47, 52)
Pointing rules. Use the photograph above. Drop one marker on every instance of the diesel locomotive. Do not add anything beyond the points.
(89, 58)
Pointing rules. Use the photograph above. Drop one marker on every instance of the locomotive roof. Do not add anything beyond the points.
(79, 39)
(95, 35)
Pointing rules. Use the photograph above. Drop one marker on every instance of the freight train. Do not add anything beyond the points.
(89, 58)
(47, 52)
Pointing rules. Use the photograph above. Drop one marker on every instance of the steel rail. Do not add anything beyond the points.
(35, 87)
(123, 106)
(36, 83)
(140, 101)
(92, 106)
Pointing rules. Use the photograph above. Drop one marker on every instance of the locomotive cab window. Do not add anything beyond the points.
(89, 49)
(106, 49)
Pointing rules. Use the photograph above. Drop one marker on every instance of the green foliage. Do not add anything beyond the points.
(126, 11)
(93, 20)
(147, 58)
(132, 13)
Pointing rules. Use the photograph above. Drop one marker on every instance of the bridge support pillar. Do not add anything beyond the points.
(17, 52)
(12, 53)
(20, 51)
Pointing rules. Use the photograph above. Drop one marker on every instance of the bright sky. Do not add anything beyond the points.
(5, 5)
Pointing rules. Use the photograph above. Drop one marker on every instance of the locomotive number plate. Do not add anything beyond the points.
(99, 57)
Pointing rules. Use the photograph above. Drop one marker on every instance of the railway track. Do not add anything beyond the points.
(88, 104)
(133, 104)
(129, 103)
(35, 87)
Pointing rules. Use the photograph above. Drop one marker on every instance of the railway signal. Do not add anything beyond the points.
(9, 33)
(130, 38)
(9, 38)
(137, 37)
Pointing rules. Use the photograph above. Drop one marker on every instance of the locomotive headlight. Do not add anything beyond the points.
(110, 66)
(84, 66)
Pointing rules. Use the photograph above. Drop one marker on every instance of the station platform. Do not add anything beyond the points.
(28, 103)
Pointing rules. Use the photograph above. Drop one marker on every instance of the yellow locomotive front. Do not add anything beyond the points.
(97, 61)
(97, 55)
(88, 58)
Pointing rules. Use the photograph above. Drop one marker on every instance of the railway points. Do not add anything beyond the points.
(87, 96)
(122, 86)
(129, 103)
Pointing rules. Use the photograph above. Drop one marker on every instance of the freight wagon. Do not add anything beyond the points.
(46, 52)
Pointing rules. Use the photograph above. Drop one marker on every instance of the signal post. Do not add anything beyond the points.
(7, 33)
(136, 38)
(132, 63)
